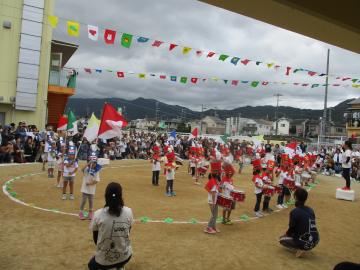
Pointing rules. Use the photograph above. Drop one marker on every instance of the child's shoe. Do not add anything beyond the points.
(64, 196)
(72, 197)
(173, 193)
(209, 230)
(81, 215)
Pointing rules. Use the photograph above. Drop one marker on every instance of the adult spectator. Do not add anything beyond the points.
(337, 160)
(111, 227)
(346, 164)
(302, 233)
(18, 151)
(29, 150)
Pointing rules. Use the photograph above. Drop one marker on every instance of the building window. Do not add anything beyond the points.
(340, 130)
(282, 125)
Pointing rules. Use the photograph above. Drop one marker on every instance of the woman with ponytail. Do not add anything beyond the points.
(111, 227)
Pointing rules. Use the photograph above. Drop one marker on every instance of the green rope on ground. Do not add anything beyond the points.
(168, 220)
(86, 214)
(13, 194)
(219, 220)
(193, 221)
(54, 210)
(144, 219)
(244, 218)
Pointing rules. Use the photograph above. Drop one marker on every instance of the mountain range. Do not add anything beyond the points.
(150, 108)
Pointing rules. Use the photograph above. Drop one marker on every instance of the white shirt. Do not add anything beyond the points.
(336, 156)
(227, 188)
(156, 166)
(70, 171)
(113, 243)
(283, 175)
(258, 185)
(51, 156)
(170, 174)
(87, 178)
(346, 165)
(210, 199)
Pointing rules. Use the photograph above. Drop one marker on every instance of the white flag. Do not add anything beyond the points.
(93, 32)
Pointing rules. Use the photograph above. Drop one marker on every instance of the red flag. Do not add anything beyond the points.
(163, 77)
(111, 123)
(172, 46)
(288, 71)
(311, 73)
(345, 78)
(305, 84)
(62, 124)
(157, 43)
(120, 74)
(245, 61)
(194, 80)
(234, 82)
(199, 53)
(87, 70)
(210, 54)
(265, 83)
(109, 36)
(194, 133)
(292, 145)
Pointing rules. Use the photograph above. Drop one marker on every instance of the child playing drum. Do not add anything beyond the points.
(226, 188)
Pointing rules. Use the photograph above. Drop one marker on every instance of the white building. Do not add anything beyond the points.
(283, 126)
(264, 127)
(143, 124)
(246, 126)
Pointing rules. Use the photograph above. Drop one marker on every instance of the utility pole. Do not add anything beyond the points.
(323, 129)
(276, 112)
(157, 112)
(201, 117)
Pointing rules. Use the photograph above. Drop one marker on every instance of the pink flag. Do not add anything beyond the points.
(234, 82)
(245, 61)
(210, 54)
(120, 74)
(157, 43)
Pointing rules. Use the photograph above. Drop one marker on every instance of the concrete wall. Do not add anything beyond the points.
(9, 55)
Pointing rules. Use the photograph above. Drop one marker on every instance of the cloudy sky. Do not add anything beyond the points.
(198, 25)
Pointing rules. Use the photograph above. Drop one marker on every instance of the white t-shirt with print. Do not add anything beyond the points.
(283, 175)
(70, 171)
(87, 178)
(170, 174)
(346, 154)
(156, 166)
(258, 185)
(210, 199)
(113, 243)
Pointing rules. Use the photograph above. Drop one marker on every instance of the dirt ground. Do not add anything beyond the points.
(36, 239)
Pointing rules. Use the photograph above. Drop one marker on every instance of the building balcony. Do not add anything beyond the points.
(62, 82)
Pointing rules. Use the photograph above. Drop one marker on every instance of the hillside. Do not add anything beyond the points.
(141, 108)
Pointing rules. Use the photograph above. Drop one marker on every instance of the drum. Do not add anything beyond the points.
(289, 183)
(224, 201)
(238, 195)
(278, 189)
(270, 191)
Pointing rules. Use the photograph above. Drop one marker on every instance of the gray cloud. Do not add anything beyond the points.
(198, 25)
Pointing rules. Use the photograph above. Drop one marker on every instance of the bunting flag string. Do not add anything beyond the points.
(196, 80)
(73, 29)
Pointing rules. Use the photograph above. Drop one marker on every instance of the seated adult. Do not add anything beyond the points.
(111, 227)
(302, 234)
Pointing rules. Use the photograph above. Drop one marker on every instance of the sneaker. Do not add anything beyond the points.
(284, 205)
(81, 215)
(258, 214)
(72, 197)
(209, 230)
(345, 188)
(173, 193)
(279, 206)
(168, 194)
(228, 222)
(64, 196)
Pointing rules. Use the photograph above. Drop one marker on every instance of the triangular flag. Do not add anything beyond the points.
(225, 81)
(141, 75)
(87, 70)
(172, 136)
(93, 32)
(245, 61)
(173, 78)
(72, 124)
(161, 124)
(298, 69)
(92, 128)
(53, 20)
(126, 40)
(111, 123)
(276, 67)
(186, 50)
(62, 124)
(183, 79)
(254, 83)
(120, 74)
(234, 60)
(305, 84)
(311, 73)
(142, 39)
(258, 63)
(234, 82)
(98, 70)
(172, 46)
(194, 80)
(73, 28)
(265, 83)
(287, 71)
(163, 77)
(314, 85)
(157, 43)
(109, 36)
(194, 133)
(223, 57)
(244, 81)
(269, 65)
(199, 53)
(210, 54)
(354, 80)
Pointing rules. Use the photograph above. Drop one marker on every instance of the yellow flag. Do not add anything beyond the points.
(53, 20)
(356, 85)
(215, 79)
(141, 75)
(73, 28)
(269, 65)
(186, 50)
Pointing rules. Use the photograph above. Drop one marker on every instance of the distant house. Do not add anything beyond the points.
(283, 126)
(246, 126)
(144, 124)
(264, 127)
(312, 128)
(209, 125)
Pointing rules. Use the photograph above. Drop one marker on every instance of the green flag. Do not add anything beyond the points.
(254, 83)
(71, 120)
(183, 79)
(223, 57)
(126, 40)
(224, 137)
(162, 124)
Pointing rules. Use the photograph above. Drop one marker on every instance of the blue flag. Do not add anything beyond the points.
(173, 78)
(172, 135)
(142, 39)
(98, 70)
(234, 60)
